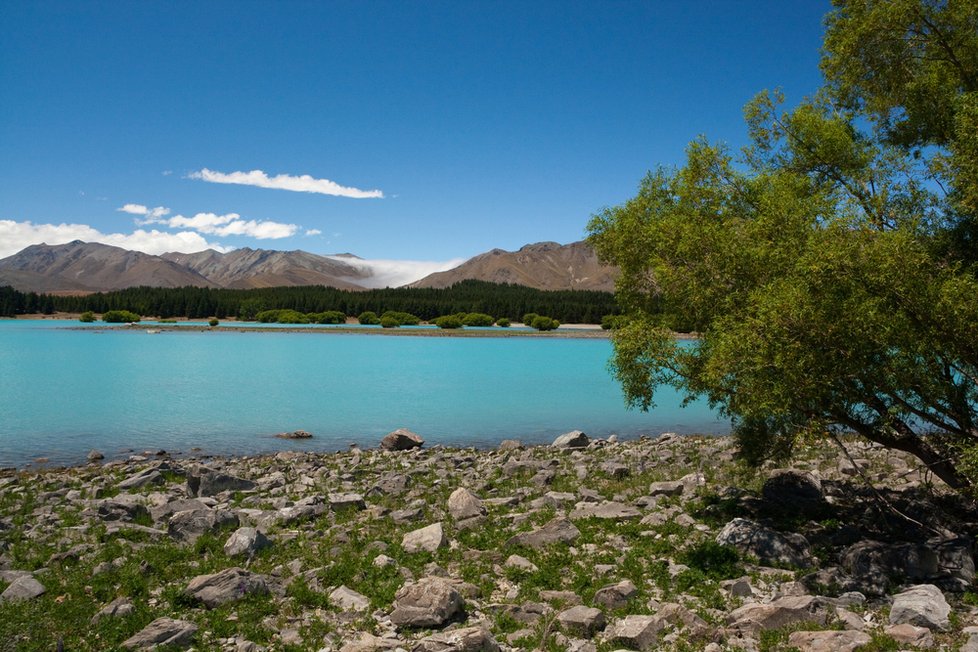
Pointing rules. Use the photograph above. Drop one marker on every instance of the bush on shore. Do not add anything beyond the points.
(368, 318)
(120, 317)
(503, 322)
(87, 317)
(542, 323)
(448, 321)
(389, 322)
(402, 318)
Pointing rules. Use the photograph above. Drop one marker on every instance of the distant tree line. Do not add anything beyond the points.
(501, 300)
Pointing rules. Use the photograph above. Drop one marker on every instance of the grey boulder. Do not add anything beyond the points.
(923, 605)
(468, 639)
(558, 530)
(246, 541)
(463, 504)
(429, 602)
(573, 439)
(226, 586)
(163, 632)
(401, 439)
(766, 544)
(23, 588)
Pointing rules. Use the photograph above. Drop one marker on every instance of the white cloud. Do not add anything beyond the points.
(394, 273)
(232, 224)
(14, 236)
(313, 232)
(151, 214)
(303, 183)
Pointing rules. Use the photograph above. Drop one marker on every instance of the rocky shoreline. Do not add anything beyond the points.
(653, 544)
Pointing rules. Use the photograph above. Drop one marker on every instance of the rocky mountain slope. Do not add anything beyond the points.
(79, 266)
(256, 268)
(91, 266)
(585, 545)
(544, 265)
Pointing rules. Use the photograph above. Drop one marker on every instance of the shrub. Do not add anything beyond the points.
(448, 321)
(328, 317)
(402, 318)
(282, 317)
(87, 317)
(120, 317)
(503, 322)
(368, 318)
(477, 319)
(389, 322)
(611, 322)
(542, 323)
(212, 322)
(528, 318)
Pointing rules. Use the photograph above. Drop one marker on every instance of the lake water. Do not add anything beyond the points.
(65, 390)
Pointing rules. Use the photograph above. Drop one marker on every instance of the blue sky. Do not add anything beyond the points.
(481, 124)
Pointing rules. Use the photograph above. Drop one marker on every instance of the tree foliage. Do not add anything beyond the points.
(583, 306)
(829, 270)
(120, 317)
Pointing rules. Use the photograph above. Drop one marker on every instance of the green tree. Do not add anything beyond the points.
(120, 317)
(448, 321)
(478, 319)
(824, 271)
(368, 318)
(87, 317)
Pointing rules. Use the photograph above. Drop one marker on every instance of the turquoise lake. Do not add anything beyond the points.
(65, 390)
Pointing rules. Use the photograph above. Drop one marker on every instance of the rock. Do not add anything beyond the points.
(874, 566)
(766, 544)
(581, 621)
(558, 530)
(246, 541)
(95, 456)
(369, 643)
(349, 600)
(163, 632)
(908, 634)
(124, 507)
(142, 478)
(922, 605)
(636, 632)
(189, 525)
(607, 510)
(468, 639)
(828, 641)
(343, 501)
(429, 602)
(679, 616)
(21, 589)
(616, 470)
(520, 563)
(118, 608)
(427, 539)
(463, 504)
(295, 434)
(667, 488)
(794, 492)
(164, 511)
(226, 586)
(615, 596)
(776, 614)
(510, 445)
(207, 482)
(573, 439)
(401, 439)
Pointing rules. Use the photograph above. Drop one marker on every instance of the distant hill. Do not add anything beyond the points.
(544, 265)
(260, 268)
(91, 266)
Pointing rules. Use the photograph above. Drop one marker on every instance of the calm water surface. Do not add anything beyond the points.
(66, 390)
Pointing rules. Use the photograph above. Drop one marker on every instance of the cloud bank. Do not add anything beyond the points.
(212, 223)
(14, 236)
(394, 273)
(303, 183)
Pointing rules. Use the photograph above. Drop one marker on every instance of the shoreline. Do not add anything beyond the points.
(587, 544)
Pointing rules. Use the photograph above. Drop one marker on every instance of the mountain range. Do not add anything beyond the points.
(91, 267)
